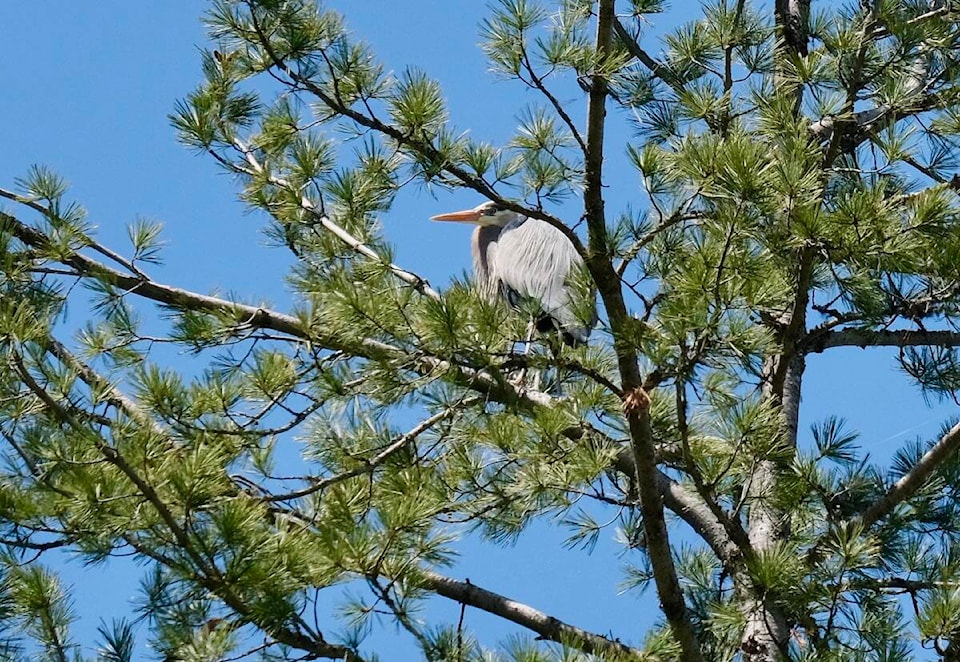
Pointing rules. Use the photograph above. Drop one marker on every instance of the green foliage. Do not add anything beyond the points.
(118, 641)
(786, 203)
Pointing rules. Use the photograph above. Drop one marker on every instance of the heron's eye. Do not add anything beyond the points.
(492, 209)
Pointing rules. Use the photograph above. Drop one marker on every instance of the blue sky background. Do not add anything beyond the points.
(86, 90)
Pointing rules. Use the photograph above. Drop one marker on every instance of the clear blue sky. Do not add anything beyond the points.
(86, 90)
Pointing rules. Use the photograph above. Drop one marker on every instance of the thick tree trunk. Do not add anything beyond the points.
(767, 632)
(793, 25)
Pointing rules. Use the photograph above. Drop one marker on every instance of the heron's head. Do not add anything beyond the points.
(489, 213)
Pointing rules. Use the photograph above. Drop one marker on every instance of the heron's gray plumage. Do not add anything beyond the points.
(518, 257)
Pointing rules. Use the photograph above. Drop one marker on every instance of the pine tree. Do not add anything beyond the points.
(796, 194)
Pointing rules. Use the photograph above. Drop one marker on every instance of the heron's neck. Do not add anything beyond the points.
(483, 236)
(484, 240)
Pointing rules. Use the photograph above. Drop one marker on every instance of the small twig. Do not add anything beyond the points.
(419, 283)
(87, 240)
(372, 463)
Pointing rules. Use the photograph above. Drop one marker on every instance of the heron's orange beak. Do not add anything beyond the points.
(465, 216)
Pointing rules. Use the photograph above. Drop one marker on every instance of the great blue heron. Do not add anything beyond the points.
(518, 257)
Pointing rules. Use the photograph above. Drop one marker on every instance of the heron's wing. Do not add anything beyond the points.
(534, 259)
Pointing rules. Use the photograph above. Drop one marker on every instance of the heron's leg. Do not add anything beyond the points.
(521, 377)
(528, 342)
(538, 374)
(555, 346)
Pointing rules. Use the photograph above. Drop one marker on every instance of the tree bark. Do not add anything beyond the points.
(863, 338)
(767, 631)
(546, 626)
(638, 417)
(793, 24)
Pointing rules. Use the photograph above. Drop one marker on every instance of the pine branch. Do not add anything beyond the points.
(97, 382)
(254, 317)
(656, 68)
(862, 120)
(913, 480)
(204, 572)
(112, 456)
(548, 627)
(259, 317)
(681, 215)
(537, 83)
(413, 143)
(213, 582)
(728, 58)
(856, 127)
(789, 14)
(93, 245)
(314, 646)
(863, 338)
(943, 11)
(249, 316)
(370, 464)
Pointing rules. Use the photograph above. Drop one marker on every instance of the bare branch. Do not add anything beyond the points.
(548, 627)
(863, 338)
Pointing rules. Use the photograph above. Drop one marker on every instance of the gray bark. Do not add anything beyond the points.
(863, 338)
(767, 631)
(546, 626)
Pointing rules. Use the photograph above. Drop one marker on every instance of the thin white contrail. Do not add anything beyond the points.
(912, 427)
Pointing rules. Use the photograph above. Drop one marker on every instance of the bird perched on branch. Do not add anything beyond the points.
(518, 257)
